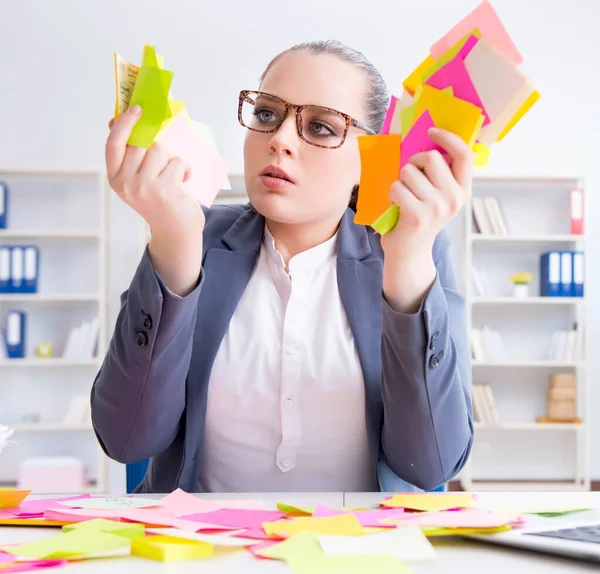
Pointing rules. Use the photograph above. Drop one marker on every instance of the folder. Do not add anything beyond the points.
(16, 270)
(4, 269)
(550, 274)
(576, 211)
(3, 205)
(578, 274)
(566, 274)
(15, 334)
(30, 269)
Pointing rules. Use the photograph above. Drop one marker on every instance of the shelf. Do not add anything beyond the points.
(526, 300)
(49, 362)
(41, 298)
(543, 427)
(51, 427)
(477, 238)
(525, 486)
(527, 364)
(47, 234)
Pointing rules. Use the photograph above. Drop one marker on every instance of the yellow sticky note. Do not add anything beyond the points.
(415, 79)
(429, 501)
(126, 75)
(343, 524)
(532, 99)
(10, 498)
(82, 543)
(293, 509)
(482, 154)
(452, 114)
(380, 167)
(129, 530)
(301, 545)
(170, 549)
(434, 531)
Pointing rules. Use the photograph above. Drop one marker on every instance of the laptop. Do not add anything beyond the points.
(578, 539)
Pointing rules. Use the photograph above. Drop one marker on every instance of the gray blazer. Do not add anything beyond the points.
(149, 397)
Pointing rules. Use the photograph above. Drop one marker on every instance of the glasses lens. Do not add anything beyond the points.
(262, 113)
(322, 127)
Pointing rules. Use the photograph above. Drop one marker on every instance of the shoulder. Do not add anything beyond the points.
(219, 219)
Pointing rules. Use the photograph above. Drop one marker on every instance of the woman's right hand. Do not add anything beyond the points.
(150, 181)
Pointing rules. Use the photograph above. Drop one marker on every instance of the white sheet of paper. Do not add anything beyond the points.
(109, 503)
(215, 539)
(407, 544)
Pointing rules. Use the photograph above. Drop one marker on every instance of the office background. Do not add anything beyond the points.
(57, 91)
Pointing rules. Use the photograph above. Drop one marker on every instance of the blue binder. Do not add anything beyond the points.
(15, 334)
(16, 269)
(31, 265)
(550, 274)
(3, 205)
(566, 274)
(4, 269)
(578, 274)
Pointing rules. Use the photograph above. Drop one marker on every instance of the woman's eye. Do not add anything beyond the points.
(321, 129)
(265, 116)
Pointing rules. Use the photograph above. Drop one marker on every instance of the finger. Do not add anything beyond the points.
(111, 123)
(410, 206)
(417, 182)
(435, 167)
(174, 172)
(154, 162)
(116, 143)
(462, 156)
(134, 157)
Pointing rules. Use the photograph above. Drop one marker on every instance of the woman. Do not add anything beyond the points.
(278, 346)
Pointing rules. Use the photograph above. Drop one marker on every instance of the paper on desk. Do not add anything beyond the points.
(167, 549)
(102, 503)
(376, 563)
(428, 501)
(301, 545)
(125, 529)
(36, 508)
(180, 503)
(293, 509)
(10, 498)
(216, 539)
(365, 517)
(345, 524)
(380, 167)
(76, 544)
(407, 544)
(237, 517)
(486, 20)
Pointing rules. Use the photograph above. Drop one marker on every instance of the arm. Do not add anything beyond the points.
(138, 396)
(427, 429)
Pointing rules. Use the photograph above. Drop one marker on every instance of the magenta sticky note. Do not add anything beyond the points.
(387, 122)
(36, 508)
(208, 171)
(237, 517)
(417, 140)
(467, 46)
(367, 518)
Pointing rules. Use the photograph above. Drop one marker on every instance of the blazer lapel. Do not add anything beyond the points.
(360, 269)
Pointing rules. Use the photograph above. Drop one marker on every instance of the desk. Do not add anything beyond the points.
(456, 555)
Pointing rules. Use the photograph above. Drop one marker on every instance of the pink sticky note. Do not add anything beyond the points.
(255, 548)
(208, 171)
(240, 518)
(467, 46)
(387, 122)
(36, 508)
(259, 533)
(417, 140)
(485, 19)
(181, 503)
(367, 518)
(454, 74)
(470, 518)
(32, 565)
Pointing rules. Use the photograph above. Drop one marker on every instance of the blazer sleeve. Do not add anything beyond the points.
(138, 396)
(427, 431)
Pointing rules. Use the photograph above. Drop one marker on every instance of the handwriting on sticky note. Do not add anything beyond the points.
(428, 501)
(126, 75)
(104, 503)
(11, 498)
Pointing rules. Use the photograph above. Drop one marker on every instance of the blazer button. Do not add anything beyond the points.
(434, 338)
(141, 338)
(148, 322)
(434, 361)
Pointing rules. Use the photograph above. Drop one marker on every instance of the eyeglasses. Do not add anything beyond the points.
(316, 125)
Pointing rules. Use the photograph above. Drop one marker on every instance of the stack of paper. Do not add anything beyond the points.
(470, 84)
(166, 120)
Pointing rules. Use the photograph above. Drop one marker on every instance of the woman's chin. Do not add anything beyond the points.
(282, 209)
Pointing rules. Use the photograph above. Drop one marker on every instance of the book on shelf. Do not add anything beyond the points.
(484, 405)
(488, 216)
(82, 340)
(566, 346)
(487, 345)
(576, 211)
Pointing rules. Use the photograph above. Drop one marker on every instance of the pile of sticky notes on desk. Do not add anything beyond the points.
(470, 84)
(167, 121)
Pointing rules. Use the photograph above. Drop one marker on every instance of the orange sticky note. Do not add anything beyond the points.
(10, 498)
(429, 501)
(380, 167)
(415, 79)
(342, 525)
(452, 114)
(486, 20)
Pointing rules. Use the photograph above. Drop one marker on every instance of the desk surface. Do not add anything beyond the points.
(455, 555)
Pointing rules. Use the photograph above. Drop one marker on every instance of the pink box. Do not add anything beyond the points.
(52, 475)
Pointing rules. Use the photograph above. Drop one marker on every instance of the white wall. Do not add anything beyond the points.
(57, 93)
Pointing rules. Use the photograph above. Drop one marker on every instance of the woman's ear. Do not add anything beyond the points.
(353, 198)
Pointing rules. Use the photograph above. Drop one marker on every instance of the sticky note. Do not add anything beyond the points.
(405, 101)
(482, 154)
(36, 508)
(436, 531)
(486, 20)
(429, 501)
(129, 530)
(293, 509)
(469, 518)
(237, 517)
(385, 129)
(414, 80)
(76, 544)
(379, 563)
(346, 524)
(450, 113)
(407, 544)
(417, 140)
(380, 167)
(298, 546)
(387, 220)
(29, 566)
(126, 75)
(103, 503)
(461, 49)
(365, 517)
(168, 549)
(181, 503)
(454, 74)
(10, 498)
(533, 97)
(207, 170)
(214, 539)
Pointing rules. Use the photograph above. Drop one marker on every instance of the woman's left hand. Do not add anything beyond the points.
(429, 193)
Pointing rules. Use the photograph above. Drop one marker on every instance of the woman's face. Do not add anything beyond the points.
(321, 179)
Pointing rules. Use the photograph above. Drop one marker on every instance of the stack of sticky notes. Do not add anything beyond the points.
(166, 120)
(470, 84)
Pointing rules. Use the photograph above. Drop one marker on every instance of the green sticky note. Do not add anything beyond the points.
(292, 509)
(129, 530)
(151, 93)
(82, 543)
(387, 220)
(149, 57)
(297, 547)
(357, 564)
